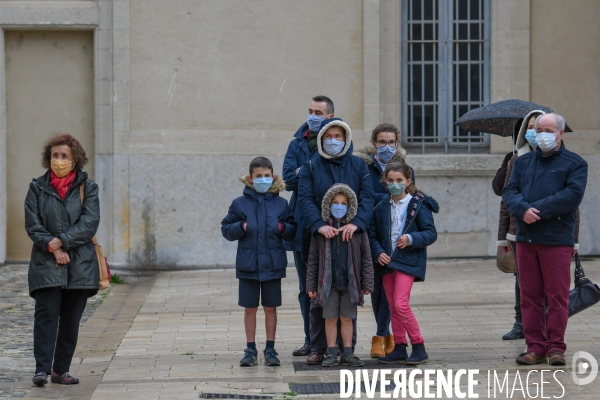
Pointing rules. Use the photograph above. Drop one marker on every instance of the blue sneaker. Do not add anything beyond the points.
(271, 357)
(249, 357)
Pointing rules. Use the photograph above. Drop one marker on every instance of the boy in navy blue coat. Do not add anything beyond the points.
(260, 221)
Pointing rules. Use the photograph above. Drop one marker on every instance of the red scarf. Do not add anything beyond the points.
(62, 185)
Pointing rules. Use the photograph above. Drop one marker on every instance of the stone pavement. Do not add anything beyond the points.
(180, 335)
(16, 328)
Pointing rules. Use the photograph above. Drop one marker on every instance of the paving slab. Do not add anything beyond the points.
(186, 338)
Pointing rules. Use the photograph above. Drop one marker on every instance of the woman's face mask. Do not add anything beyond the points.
(61, 168)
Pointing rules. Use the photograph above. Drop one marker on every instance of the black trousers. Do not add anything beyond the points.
(56, 327)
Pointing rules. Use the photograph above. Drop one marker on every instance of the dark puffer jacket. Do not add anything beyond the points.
(411, 260)
(323, 170)
(269, 221)
(296, 155)
(48, 216)
(319, 274)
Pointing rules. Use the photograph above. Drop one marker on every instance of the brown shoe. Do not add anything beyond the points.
(64, 379)
(377, 347)
(302, 351)
(388, 344)
(557, 358)
(530, 358)
(315, 358)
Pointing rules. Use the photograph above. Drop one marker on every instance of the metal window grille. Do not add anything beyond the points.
(446, 72)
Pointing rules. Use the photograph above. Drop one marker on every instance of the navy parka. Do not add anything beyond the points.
(260, 252)
(554, 185)
(318, 174)
(297, 154)
(411, 260)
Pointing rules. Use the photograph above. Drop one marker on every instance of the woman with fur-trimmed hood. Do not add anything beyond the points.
(385, 140)
(339, 272)
(386, 148)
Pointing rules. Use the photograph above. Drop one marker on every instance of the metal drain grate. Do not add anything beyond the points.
(232, 396)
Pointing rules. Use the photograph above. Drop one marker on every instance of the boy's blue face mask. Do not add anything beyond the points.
(339, 211)
(261, 185)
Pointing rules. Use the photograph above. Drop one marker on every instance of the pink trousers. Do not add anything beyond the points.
(544, 270)
(397, 287)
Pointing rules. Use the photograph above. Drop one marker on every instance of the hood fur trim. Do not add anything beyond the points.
(366, 153)
(352, 202)
(277, 186)
(345, 127)
(522, 143)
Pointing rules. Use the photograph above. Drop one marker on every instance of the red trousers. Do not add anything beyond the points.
(397, 287)
(544, 270)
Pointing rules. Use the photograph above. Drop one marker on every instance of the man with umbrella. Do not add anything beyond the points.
(544, 191)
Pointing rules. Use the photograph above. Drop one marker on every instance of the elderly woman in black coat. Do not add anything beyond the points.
(62, 214)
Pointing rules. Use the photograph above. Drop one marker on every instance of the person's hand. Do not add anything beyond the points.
(55, 244)
(574, 251)
(61, 256)
(328, 231)
(402, 242)
(312, 295)
(383, 259)
(244, 226)
(531, 215)
(506, 249)
(347, 231)
(366, 292)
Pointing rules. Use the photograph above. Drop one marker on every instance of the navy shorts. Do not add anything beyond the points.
(251, 290)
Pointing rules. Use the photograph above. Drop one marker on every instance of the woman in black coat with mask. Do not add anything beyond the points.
(63, 270)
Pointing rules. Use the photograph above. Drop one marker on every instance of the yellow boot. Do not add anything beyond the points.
(389, 344)
(377, 347)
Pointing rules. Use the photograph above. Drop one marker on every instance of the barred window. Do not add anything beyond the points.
(445, 72)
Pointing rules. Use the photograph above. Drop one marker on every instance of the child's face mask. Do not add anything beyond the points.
(261, 185)
(339, 211)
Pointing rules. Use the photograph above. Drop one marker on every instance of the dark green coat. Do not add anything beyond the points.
(48, 216)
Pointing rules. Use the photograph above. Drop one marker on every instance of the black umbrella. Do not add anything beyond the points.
(499, 118)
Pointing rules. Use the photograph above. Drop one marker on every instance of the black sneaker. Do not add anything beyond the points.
(351, 360)
(271, 357)
(249, 357)
(330, 360)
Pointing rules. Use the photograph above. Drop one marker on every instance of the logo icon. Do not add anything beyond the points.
(583, 363)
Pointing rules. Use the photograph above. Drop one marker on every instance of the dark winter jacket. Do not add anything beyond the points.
(500, 177)
(368, 155)
(319, 274)
(269, 221)
(319, 173)
(411, 260)
(554, 185)
(297, 154)
(48, 216)
(507, 224)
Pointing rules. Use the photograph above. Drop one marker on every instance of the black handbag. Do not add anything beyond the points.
(585, 293)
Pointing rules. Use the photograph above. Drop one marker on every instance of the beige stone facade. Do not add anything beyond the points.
(186, 92)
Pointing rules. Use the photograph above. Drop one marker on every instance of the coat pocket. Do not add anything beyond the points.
(278, 258)
(247, 259)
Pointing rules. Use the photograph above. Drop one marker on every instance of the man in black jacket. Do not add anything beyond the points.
(544, 191)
